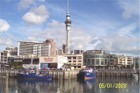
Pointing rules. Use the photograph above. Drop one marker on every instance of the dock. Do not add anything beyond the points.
(116, 73)
(72, 74)
(57, 74)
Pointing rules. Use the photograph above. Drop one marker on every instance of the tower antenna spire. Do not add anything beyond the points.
(67, 6)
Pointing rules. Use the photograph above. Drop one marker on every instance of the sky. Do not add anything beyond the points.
(111, 25)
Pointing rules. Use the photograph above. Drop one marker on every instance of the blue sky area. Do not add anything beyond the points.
(111, 25)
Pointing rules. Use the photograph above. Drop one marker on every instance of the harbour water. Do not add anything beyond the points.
(99, 85)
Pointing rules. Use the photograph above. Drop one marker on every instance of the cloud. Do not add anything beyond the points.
(79, 38)
(130, 8)
(36, 15)
(111, 36)
(8, 40)
(57, 31)
(25, 3)
(8, 0)
(4, 41)
(4, 26)
(42, 0)
(116, 44)
(121, 41)
(127, 30)
(31, 38)
(56, 9)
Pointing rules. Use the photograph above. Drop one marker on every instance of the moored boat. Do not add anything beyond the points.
(87, 74)
(32, 74)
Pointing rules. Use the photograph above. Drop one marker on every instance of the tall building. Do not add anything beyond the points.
(68, 23)
(25, 48)
(11, 52)
(37, 49)
(60, 52)
(6, 55)
(75, 60)
(137, 62)
(125, 60)
(47, 48)
(52, 44)
(95, 58)
(64, 48)
(112, 60)
(77, 52)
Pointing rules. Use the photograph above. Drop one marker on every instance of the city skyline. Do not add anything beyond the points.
(111, 25)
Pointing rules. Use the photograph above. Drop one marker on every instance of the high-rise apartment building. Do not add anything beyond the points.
(37, 49)
(25, 48)
(47, 48)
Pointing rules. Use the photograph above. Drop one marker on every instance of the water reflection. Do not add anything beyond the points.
(68, 86)
(56, 86)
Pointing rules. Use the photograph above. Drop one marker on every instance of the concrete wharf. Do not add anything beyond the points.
(72, 74)
(116, 73)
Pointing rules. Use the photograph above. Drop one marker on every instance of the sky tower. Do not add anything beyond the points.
(68, 23)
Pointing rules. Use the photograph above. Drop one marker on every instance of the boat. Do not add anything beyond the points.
(87, 74)
(31, 73)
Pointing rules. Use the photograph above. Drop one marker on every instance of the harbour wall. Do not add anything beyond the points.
(116, 73)
(72, 74)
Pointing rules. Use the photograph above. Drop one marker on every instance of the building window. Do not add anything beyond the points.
(97, 56)
(102, 62)
(85, 60)
(74, 60)
(88, 60)
(79, 57)
(97, 61)
(74, 57)
(93, 62)
(74, 64)
(79, 61)
(79, 64)
(106, 61)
